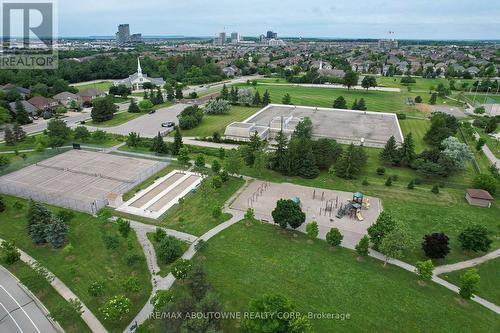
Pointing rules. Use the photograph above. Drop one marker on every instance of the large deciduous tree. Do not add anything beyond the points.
(287, 212)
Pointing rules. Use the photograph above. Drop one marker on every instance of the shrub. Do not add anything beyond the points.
(217, 212)
(362, 247)
(418, 181)
(65, 215)
(475, 238)
(96, 289)
(131, 284)
(486, 182)
(161, 299)
(312, 230)
(159, 234)
(424, 269)
(216, 182)
(435, 189)
(365, 182)
(418, 99)
(169, 249)
(411, 185)
(334, 237)
(469, 283)
(200, 246)
(68, 249)
(401, 116)
(133, 259)
(123, 227)
(111, 242)
(115, 308)
(436, 245)
(10, 254)
(181, 269)
(381, 171)
(388, 182)
(2, 205)
(250, 214)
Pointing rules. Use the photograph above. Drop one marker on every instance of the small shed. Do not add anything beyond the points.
(477, 197)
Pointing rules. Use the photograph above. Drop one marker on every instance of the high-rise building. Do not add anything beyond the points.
(222, 37)
(123, 34)
(235, 38)
(272, 35)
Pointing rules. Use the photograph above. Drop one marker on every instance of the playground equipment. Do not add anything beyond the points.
(353, 208)
(329, 207)
(258, 193)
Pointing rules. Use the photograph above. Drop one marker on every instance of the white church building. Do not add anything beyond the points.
(136, 81)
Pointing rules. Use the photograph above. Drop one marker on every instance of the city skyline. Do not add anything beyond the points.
(320, 19)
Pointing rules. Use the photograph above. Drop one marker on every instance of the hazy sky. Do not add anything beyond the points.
(432, 19)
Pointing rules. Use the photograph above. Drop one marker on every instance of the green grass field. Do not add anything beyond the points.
(418, 128)
(89, 261)
(118, 119)
(420, 211)
(41, 288)
(194, 215)
(421, 85)
(218, 123)
(488, 286)
(104, 86)
(250, 259)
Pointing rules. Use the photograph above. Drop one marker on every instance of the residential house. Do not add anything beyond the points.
(24, 92)
(43, 103)
(27, 106)
(230, 71)
(66, 98)
(90, 94)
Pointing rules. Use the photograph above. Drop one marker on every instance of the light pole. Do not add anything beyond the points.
(487, 91)
(475, 94)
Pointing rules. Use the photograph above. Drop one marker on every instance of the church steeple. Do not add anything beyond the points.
(139, 69)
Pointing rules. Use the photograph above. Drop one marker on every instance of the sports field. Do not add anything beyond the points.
(79, 180)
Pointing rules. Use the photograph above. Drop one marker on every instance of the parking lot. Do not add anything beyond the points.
(19, 311)
(150, 124)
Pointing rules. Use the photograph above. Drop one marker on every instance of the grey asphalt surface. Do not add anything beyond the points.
(18, 311)
(147, 125)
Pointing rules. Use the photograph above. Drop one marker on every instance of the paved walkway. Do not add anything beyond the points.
(88, 317)
(377, 255)
(489, 154)
(467, 264)
(165, 283)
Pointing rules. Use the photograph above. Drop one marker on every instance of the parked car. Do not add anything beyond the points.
(168, 124)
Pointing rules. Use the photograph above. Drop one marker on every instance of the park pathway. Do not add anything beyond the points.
(467, 263)
(165, 283)
(377, 255)
(489, 154)
(88, 317)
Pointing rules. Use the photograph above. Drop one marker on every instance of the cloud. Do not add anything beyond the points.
(343, 18)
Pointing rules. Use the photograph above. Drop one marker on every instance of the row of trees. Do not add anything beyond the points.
(341, 103)
(245, 96)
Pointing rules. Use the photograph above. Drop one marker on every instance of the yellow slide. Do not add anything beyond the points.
(358, 215)
(366, 203)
